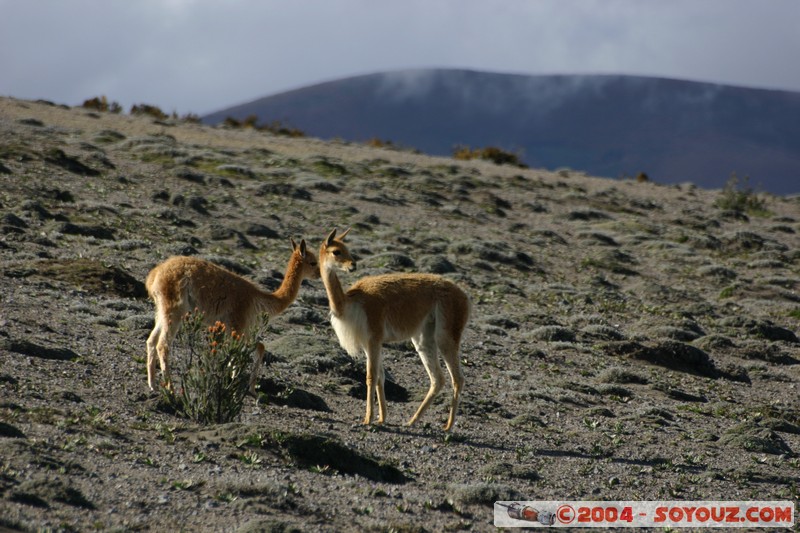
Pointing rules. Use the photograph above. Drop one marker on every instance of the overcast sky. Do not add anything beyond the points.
(204, 55)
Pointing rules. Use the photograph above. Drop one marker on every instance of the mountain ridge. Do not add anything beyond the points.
(606, 125)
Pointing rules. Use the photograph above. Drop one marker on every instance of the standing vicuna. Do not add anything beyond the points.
(182, 284)
(428, 309)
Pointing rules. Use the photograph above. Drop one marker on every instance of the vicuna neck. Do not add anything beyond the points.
(279, 300)
(336, 296)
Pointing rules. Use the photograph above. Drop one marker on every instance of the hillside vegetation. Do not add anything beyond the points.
(629, 341)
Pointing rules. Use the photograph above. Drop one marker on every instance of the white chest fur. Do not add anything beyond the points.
(351, 329)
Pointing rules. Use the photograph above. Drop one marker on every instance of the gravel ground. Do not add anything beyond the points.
(629, 341)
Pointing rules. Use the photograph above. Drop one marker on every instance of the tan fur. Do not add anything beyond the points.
(180, 285)
(428, 309)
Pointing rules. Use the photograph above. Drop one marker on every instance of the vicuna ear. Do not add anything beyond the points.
(331, 236)
(302, 248)
(294, 244)
(343, 235)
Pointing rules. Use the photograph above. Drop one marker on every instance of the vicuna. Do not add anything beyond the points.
(180, 285)
(428, 309)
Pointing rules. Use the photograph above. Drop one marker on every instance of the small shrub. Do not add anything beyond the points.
(250, 121)
(741, 199)
(96, 103)
(211, 383)
(376, 142)
(496, 155)
(234, 123)
(231, 122)
(100, 103)
(191, 118)
(148, 110)
(275, 127)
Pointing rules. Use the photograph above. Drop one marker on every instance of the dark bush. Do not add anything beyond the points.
(100, 103)
(148, 110)
(213, 377)
(740, 198)
(496, 155)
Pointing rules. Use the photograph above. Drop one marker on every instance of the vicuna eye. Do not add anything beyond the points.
(337, 252)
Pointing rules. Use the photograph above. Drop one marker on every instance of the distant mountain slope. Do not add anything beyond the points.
(675, 131)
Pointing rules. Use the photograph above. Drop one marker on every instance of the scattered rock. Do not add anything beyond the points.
(40, 492)
(269, 525)
(191, 176)
(678, 394)
(670, 354)
(553, 334)
(26, 347)
(9, 431)
(599, 238)
(717, 272)
(678, 334)
(599, 331)
(199, 204)
(771, 353)
(771, 332)
(276, 392)
(714, 343)
(92, 276)
(484, 494)
(283, 189)
(98, 232)
(109, 136)
(754, 438)
(392, 261)
(621, 376)
(260, 230)
(436, 265)
(587, 215)
(31, 122)
(505, 471)
(57, 157)
(12, 220)
(748, 241)
(317, 450)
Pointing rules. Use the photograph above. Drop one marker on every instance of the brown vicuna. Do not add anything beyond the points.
(180, 285)
(428, 309)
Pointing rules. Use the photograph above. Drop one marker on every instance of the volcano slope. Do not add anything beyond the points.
(628, 341)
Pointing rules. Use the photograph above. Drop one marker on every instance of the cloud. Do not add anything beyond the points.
(202, 55)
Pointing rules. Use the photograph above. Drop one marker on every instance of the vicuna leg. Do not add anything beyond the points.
(375, 381)
(380, 389)
(257, 367)
(163, 349)
(449, 350)
(169, 325)
(152, 340)
(425, 344)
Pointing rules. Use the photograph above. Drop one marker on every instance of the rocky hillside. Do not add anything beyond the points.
(629, 341)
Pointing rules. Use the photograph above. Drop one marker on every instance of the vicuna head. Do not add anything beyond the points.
(334, 254)
(310, 265)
